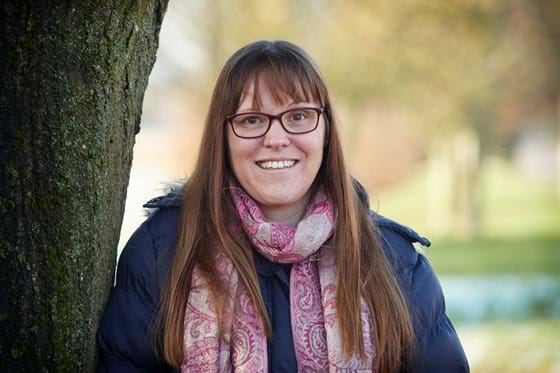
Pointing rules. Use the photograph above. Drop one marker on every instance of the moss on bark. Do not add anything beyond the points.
(74, 77)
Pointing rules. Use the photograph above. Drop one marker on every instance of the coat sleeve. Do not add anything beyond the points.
(122, 337)
(438, 348)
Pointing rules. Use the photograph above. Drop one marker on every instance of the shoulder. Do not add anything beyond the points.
(414, 273)
(163, 218)
(398, 241)
(147, 254)
(413, 270)
(387, 225)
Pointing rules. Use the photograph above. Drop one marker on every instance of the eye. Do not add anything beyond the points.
(298, 116)
(249, 120)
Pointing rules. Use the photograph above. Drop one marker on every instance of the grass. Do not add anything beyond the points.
(519, 223)
(529, 347)
(494, 255)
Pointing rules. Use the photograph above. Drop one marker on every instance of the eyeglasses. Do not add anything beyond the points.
(294, 121)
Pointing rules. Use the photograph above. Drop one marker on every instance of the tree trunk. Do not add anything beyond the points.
(557, 119)
(452, 190)
(439, 187)
(72, 83)
(466, 153)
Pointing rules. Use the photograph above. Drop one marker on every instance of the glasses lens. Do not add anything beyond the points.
(250, 125)
(300, 120)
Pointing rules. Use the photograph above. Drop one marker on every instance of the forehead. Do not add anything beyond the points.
(265, 90)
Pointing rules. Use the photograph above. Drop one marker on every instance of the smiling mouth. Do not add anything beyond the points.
(267, 165)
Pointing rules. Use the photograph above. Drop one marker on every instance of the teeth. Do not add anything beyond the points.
(276, 164)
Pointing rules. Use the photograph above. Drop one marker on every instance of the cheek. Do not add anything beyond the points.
(240, 152)
(317, 155)
(234, 152)
(315, 148)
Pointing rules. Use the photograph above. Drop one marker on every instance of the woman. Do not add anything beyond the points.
(268, 258)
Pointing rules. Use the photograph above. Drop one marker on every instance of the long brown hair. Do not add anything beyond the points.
(288, 72)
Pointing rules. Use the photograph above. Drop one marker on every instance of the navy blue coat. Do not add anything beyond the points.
(145, 261)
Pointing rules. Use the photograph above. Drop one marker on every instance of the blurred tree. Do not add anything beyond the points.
(448, 65)
(73, 81)
(548, 13)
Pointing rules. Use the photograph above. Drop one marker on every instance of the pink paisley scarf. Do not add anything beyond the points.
(315, 327)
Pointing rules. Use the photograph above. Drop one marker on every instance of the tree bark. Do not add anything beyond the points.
(73, 76)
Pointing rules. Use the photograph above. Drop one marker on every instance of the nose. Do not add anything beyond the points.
(276, 135)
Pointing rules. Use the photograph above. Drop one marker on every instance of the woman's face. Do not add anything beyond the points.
(276, 188)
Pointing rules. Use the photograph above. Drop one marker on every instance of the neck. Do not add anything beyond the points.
(289, 215)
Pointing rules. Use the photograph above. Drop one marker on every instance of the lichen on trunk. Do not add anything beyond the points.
(73, 81)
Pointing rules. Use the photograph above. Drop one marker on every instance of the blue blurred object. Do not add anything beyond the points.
(473, 299)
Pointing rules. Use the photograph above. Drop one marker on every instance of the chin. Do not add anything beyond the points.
(278, 201)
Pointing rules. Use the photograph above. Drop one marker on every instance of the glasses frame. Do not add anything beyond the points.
(271, 117)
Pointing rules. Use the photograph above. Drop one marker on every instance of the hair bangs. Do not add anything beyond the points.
(287, 76)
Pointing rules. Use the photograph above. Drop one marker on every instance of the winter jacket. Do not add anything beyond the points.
(145, 261)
